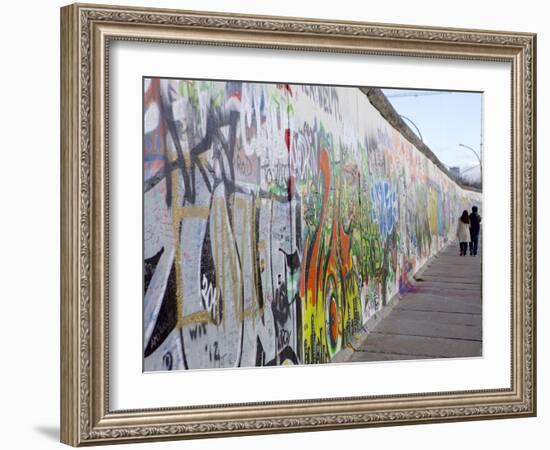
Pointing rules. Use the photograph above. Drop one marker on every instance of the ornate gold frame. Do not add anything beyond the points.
(86, 31)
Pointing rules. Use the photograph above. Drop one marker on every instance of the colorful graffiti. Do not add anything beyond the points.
(277, 220)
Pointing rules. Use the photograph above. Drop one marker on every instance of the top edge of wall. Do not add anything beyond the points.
(388, 112)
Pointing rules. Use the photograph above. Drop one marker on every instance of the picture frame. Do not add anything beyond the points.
(87, 34)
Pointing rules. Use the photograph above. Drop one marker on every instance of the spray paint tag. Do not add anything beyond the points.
(179, 109)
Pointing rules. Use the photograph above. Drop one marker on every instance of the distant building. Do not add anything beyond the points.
(455, 171)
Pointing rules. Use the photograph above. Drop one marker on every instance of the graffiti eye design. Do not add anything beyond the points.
(333, 315)
(167, 361)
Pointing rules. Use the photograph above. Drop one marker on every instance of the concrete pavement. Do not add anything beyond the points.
(440, 317)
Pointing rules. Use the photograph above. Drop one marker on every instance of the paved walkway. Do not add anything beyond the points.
(439, 318)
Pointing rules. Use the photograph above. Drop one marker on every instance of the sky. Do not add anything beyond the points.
(445, 119)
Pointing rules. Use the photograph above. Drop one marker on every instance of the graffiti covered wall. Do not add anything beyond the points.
(277, 220)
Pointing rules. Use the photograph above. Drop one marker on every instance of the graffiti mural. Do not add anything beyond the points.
(277, 220)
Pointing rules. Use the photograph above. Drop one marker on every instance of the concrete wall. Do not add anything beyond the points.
(278, 219)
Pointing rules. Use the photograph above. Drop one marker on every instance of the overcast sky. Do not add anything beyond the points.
(445, 119)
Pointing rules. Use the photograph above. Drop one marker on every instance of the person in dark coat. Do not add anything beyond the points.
(475, 221)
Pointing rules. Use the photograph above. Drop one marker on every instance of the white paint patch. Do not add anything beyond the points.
(151, 119)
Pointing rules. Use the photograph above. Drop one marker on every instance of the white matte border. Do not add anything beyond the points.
(132, 389)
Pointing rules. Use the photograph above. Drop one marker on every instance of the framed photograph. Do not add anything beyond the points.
(276, 224)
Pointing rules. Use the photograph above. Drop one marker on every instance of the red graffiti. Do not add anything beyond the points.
(311, 271)
(287, 139)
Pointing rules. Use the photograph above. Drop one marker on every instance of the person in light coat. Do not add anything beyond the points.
(463, 232)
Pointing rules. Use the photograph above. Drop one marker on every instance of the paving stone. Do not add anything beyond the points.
(439, 305)
(420, 346)
(451, 318)
(428, 328)
(361, 356)
(447, 285)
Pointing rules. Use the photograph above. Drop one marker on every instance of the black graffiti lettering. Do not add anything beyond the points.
(168, 361)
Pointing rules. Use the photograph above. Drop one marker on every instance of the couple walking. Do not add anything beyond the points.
(468, 231)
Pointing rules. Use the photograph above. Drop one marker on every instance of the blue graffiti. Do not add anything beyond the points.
(385, 207)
